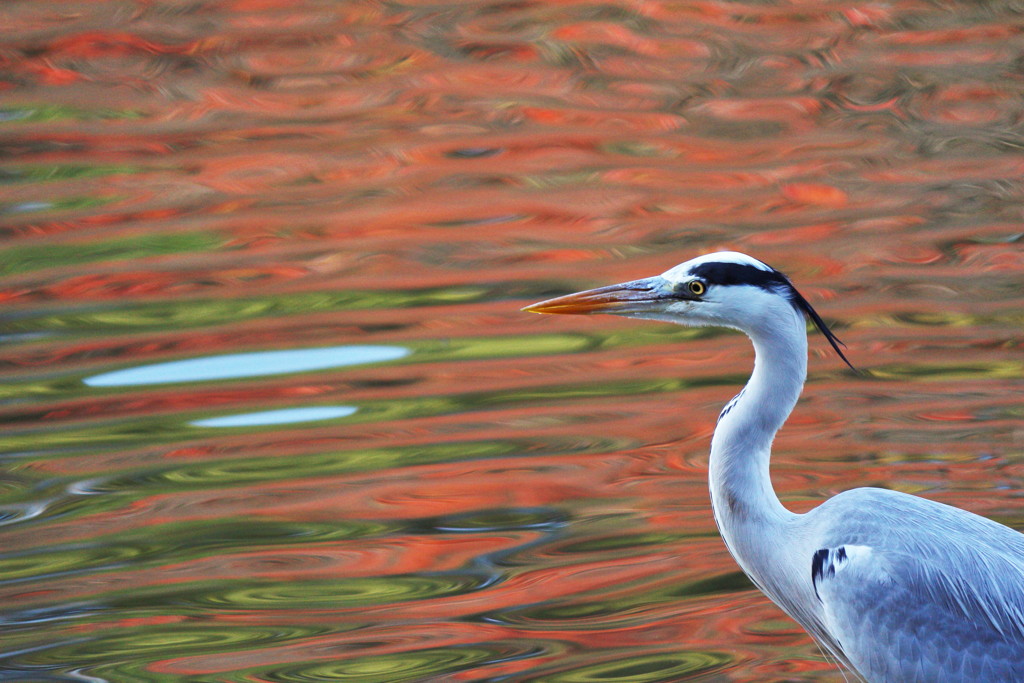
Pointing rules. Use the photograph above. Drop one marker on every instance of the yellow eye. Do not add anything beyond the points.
(696, 287)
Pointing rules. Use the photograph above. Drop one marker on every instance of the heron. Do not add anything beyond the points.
(894, 587)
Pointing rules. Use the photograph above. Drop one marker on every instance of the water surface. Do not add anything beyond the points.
(272, 412)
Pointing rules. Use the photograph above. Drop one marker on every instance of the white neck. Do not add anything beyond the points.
(746, 508)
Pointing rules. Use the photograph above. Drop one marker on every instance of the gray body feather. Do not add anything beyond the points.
(920, 592)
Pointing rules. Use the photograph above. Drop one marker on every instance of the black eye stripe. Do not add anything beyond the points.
(718, 273)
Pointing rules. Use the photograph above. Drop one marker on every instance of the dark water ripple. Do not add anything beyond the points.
(623, 610)
(405, 666)
(340, 594)
(655, 668)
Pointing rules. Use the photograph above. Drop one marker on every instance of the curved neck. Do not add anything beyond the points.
(741, 489)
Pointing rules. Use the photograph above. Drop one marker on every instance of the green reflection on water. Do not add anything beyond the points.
(244, 471)
(42, 174)
(621, 542)
(950, 319)
(137, 548)
(198, 599)
(309, 595)
(991, 370)
(36, 113)
(604, 613)
(651, 668)
(506, 347)
(26, 258)
(1009, 317)
(54, 561)
(500, 519)
(396, 668)
(117, 654)
(177, 640)
(59, 204)
(344, 593)
(127, 316)
(415, 665)
(552, 180)
(638, 148)
(177, 477)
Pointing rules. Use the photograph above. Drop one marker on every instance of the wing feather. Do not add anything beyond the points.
(917, 590)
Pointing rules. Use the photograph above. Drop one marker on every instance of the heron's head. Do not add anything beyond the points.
(724, 289)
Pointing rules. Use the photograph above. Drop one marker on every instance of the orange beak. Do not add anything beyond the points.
(627, 297)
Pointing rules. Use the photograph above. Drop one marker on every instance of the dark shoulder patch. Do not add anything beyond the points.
(818, 569)
(823, 565)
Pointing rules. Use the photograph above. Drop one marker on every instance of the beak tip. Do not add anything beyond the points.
(621, 299)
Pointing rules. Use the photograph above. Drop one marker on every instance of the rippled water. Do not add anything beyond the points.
(271, 410)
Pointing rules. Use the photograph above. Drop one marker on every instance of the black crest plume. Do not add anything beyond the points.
(798, 300)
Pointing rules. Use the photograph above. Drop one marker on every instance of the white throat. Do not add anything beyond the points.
(744, 501)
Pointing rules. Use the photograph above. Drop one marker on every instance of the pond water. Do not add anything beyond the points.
(271, 411)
